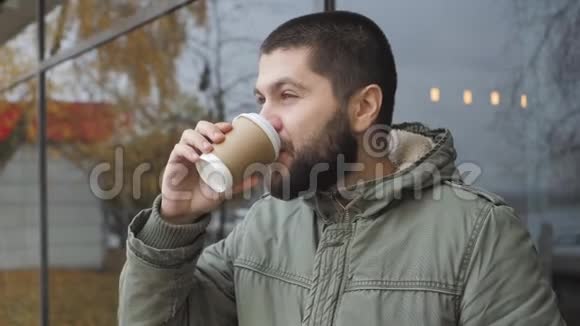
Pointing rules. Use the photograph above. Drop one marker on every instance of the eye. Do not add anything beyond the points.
(288, 95)
(260, 100)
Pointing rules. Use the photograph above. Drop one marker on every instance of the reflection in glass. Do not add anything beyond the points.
(73, 21)
(435, 94)
(529, 154)
(524, 101)
(494, 98)
(19, 213)
(18, 50)
(467, 97)
(115, 114)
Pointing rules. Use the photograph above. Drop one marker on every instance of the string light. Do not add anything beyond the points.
(494, 98)
(467, 97)
(524, 101)
(435, 94)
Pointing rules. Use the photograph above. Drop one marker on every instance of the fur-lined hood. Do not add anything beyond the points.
(424, 157)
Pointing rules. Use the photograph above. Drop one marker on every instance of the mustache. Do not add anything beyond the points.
(287, 146)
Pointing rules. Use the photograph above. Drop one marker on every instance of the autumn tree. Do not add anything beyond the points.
(13, 116)
(137, 75)
(157, 104)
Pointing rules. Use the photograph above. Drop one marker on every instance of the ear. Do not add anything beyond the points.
(365, 107)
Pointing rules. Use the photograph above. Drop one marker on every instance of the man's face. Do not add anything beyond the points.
(315, 129)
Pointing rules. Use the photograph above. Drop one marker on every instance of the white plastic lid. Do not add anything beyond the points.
(268, 129)
(214, 172)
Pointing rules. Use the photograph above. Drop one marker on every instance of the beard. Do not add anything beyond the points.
(316, 167)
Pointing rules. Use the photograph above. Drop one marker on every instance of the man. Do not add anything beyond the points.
(355, 229)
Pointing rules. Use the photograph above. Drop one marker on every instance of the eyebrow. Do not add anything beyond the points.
(281, 82)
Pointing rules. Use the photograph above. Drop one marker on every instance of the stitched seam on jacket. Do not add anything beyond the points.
(401, 284)
(475, 233)
(271, 269)
(347, 271)
(471, 243)
(272, 273)
(175, 300)
(401, 288)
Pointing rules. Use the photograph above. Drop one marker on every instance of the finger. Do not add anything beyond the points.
(196, 140)
(224, 126)
(173, 177)
(183, 152)
(210, 131)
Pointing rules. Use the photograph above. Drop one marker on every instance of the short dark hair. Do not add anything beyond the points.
(347, 48)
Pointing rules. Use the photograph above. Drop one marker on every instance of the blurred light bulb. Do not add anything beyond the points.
(435, 94)
(467, 97)
(524, 101)
(494, 98)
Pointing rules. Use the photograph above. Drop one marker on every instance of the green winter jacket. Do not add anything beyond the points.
(418, 247)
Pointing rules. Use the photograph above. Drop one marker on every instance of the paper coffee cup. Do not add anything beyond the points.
(252, 140)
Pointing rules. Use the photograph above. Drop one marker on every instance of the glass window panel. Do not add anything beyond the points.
(18, 50)
(115, 113)
(19, 213)
(69, 22)
(519, 60)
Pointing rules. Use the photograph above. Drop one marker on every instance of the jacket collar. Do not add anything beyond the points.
(424, 157)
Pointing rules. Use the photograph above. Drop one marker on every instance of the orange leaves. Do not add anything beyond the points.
(66, 121)
(10, 115)
(13, 63)
(146, 56)
(79, 122)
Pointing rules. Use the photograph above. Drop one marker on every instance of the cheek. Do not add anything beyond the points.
(298, 134)
(303, 122)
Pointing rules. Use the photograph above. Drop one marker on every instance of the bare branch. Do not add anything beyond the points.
(59, 33)
(558, 154)
(543, 43)
(238, 81)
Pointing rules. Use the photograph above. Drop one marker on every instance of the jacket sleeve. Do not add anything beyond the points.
(169, 279)
(504, 282)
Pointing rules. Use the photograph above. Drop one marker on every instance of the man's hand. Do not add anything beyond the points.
(185, 197)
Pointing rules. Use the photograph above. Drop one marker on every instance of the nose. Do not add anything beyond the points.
(275, 121)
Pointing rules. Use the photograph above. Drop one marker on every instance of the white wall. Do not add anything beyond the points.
(76, 231)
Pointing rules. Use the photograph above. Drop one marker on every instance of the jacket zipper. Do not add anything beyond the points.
(345, 216)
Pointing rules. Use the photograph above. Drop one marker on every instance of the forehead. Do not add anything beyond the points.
(285, 64)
